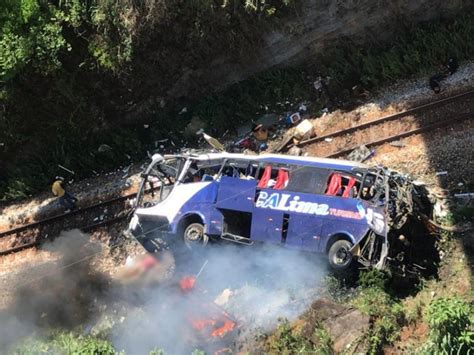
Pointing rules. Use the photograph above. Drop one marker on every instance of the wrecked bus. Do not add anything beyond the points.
(340, 208)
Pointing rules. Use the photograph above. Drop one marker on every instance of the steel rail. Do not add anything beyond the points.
(308, 141)
(392, 117)
(65, 215)
(430, 127)
(84, 229)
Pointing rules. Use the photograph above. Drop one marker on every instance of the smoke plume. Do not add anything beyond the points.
(253, 286)
(54, 294)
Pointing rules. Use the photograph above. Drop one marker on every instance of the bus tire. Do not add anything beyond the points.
(339, 255)
(194, 236)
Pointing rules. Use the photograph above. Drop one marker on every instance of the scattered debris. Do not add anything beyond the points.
(104, 148)
(361, 154)
(284, 143)
(213, 142)
(469, 196)
(304, 130)
(223, 298)
(295, 151)
(260, 132)
(293, 119)
(66, 169)
(126, 171)
(398, 144)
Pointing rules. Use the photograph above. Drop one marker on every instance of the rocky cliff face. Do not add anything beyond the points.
(312, 27)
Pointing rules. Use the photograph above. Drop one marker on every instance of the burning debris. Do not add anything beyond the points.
(228, 298)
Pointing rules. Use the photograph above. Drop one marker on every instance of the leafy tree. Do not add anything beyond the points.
(31, 34)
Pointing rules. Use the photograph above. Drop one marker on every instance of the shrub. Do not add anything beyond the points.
(386, 312)
(66, 343)
(289, 341)
(373, 278)
(450, 326)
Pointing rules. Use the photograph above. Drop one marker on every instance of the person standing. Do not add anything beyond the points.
(452, 65)
(65, 198)
(435, 81)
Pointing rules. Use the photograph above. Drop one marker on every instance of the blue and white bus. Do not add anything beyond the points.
(329, 206)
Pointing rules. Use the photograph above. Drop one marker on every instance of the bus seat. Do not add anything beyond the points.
(281, 180)
(349, 186)
(334, 185)
(265, 177)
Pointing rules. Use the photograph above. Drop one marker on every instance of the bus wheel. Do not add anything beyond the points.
(194, 236)
(340, 257)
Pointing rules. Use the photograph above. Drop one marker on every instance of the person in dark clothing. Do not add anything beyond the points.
(452, 65)
(435, 81)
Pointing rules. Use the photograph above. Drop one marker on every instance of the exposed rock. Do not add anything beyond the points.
(346, 326)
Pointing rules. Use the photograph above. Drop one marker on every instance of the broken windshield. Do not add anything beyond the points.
(158, 181)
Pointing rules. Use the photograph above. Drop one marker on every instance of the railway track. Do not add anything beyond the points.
(416, 120)
(86, 219)
(116, 210)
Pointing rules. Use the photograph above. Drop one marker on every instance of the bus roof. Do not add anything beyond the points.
(337, 164)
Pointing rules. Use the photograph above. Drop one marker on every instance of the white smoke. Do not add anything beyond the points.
(257, 286)
(254, 285)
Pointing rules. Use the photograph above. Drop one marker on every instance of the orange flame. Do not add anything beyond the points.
(187, 283)
(227, 327)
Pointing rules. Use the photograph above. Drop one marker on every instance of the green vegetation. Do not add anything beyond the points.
(288, 340)
(66, 343)
(385, 311)
(451, 326)
(75, 74)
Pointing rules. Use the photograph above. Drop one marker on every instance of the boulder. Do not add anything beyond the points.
(346, 326)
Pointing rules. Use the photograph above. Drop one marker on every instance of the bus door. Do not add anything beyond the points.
(235, 201)
(236, 194)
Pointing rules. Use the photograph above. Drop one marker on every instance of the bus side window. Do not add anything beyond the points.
(272, 177)
(342, 185)
(334, 184)
(368, 187)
